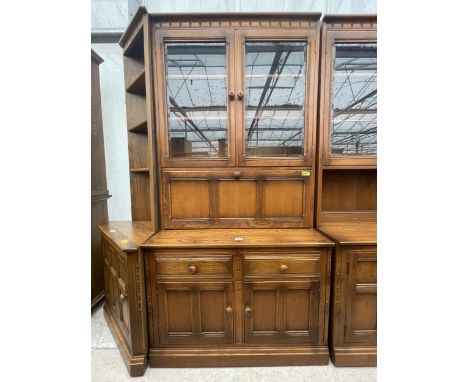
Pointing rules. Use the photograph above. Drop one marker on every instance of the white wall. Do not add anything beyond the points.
(114, 121)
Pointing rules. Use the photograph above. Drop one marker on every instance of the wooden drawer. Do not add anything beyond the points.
(282, 265)
(193, 266)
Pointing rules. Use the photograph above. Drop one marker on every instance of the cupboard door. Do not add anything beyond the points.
(195, 79)
(195, 313)
(241, 198)
(281, 312)
(275, 97)
(361, 299)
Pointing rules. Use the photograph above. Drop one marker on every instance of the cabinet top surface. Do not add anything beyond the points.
(358, 232)
(237, 238)
(127, 235)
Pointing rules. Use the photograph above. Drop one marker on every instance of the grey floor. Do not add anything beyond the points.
(107, 366)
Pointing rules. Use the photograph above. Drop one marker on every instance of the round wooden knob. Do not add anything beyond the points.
(229, 310)
(237, 173)
(231, 94)
(192, 269)
(284, 268)
(122, 297)
(240, 94)
(248, 311)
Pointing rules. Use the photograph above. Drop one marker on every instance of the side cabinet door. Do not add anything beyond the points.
(281, 312)
(195, 313)
(361, 302)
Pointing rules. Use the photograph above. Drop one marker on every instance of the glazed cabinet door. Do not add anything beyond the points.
(195, 76)
(195, 313)
(361, 296)
(281, 312)
(275, 96)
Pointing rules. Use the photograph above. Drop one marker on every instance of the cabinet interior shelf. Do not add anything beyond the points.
(138, 85)
(139, 170)
(139, 128)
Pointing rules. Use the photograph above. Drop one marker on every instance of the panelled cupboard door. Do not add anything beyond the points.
(279, 312)
(195, 313)
(275, 96)
(361, 301)
(243, 198)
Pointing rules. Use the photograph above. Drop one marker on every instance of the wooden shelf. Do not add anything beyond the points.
(139, 128)
(138, 85)
(139, 170)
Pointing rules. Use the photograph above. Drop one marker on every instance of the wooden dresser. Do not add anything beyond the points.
(346, 196)
(222, 114)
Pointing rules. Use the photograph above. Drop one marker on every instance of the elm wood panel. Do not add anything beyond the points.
(136, 109)
(238, 356)
(353, 356)
(237, 199)
(284, 198)
(140, 195)
(194, 266)
(281, 312)
(137, 150)
(134, 66)
(195, 313)
(230, 238)
(127, 235)
(356, 30)
(243, 198)
(98, 215)
(190, 199)
(349, 190)
(351, 232)
(292, 265)
(361, 303)
(125, 294)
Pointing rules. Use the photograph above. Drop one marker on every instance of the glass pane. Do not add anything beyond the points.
(354, 119)
(196, 97)
(274, 98)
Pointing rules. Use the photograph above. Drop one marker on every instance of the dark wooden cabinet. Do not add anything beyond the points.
(99, 192)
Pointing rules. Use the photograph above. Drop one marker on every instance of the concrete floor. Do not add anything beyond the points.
(107, 366)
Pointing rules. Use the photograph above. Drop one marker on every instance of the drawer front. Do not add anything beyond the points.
(193, 266)
(282, 265)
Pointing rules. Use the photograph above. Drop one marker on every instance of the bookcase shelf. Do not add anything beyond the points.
(139, 128)
(139, 170)
(138, 84)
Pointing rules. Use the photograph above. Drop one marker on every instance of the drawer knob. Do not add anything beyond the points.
(123, 297)
(229, 310)
(192, 269)
(248, 310)
(237, 174)
(284, 268)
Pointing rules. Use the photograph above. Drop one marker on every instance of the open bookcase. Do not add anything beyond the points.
(137, 65)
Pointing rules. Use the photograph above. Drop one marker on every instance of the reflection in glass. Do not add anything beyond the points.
(274, 98)
(354, 119)
(196, 97)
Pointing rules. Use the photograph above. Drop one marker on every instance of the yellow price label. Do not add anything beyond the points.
(305, 173)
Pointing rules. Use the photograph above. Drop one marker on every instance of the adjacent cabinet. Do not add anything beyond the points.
(234, 159)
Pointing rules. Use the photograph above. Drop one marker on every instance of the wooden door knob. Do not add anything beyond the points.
(229, 310)
(231, 94)
(248, 310)
(236, 174)
(284, 268)
(192, 269)
(123, 297)
(240, 94)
